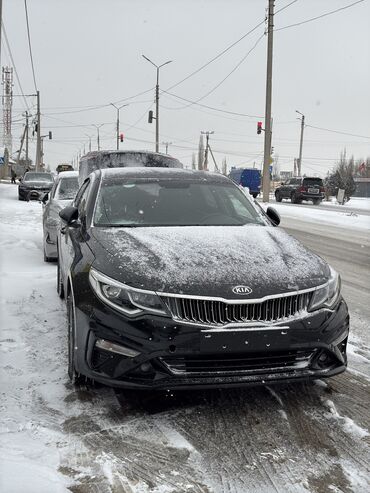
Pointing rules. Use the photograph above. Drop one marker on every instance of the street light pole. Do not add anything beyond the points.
(98, 134)
(156, 101)
(300, 143)
(117, 123)
(166, 144)
(89, 137)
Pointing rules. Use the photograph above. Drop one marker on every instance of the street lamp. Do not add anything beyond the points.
(98, 135)
(166, 144)
(118, 108)
(300, 143)
(156, 101)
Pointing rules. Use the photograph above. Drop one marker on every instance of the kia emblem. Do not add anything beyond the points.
(243, 290)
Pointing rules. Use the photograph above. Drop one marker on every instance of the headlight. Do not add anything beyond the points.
(124, 298)
(327, 295)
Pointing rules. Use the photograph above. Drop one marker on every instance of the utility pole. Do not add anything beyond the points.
(38, 141)
(301, 143)
(98, 134)
(26, 138)
(89, 137)
(268, 131)
(166, 144)
(117, 122)
(207, 134)
(156, 101)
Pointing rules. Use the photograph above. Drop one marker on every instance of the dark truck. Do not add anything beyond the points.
(301, 188)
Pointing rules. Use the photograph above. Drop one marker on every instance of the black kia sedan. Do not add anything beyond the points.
(176, 279)
(34, 183)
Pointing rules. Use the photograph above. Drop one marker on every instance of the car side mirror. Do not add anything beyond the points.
(273, 215)
(70, 216)
(45, 198)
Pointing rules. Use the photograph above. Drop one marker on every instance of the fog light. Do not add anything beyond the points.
(145, 367)
(323, 357)
(116, 348)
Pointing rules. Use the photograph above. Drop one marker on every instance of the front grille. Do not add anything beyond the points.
(253, 363)
(218, 313)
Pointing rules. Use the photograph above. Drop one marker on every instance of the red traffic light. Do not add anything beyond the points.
(259, 127)
(121, 136)
(150, 116)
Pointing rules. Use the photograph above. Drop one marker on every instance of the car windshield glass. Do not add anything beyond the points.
(158, 202)
(312, 181)
(38, 177)
(66, 188)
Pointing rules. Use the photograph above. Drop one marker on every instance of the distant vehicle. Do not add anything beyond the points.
(62, 194)
(247, 177)
(176, 279)
(301, 188)
(124, 159)
(64, 167)
(33, 183)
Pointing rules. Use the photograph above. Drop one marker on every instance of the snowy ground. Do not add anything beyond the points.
(54, 438)
(346, 218)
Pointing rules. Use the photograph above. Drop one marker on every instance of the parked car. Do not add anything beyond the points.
(64, 167)
(62, 194)
(121, 159)
(175, 279)
(33, 183)
(247, 177)
(298, 189)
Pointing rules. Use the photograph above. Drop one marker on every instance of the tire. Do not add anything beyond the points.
(75, 378)
(46, 258)
(278, 197)
(316, 201)
(60, 287)
(295, 199)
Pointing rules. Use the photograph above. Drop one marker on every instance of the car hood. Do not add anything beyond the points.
(36, 184)
(207, 261)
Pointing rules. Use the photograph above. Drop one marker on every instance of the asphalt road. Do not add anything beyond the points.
(292, 438)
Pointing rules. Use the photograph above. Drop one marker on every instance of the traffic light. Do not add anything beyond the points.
(259, 127)
(50, 135)
(121, 137)
(150, 117)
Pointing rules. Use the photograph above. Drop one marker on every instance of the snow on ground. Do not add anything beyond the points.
(347, 220)
(354, 203)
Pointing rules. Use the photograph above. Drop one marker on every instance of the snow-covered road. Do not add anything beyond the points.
(54, 438)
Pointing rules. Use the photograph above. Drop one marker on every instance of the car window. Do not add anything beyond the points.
(312, 181)
(80, 193)
(172, 202)
(66, 188)
(82, 198)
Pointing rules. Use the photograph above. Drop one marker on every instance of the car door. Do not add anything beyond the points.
(284, 190)
(70, 237)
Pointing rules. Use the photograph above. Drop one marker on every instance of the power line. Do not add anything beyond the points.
(211, 107)
(338, 132)
(225, 78)
(29, 44)
(319, 16)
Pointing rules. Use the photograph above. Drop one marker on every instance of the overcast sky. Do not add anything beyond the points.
(87, 53)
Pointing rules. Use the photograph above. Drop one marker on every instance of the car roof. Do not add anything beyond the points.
(67, 174)
(157, 172)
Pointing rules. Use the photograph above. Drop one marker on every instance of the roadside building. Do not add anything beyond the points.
(362, 187)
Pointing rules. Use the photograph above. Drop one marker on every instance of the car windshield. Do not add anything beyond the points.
(38, 177)
(66, 188)
(312, 181)
(173, 202)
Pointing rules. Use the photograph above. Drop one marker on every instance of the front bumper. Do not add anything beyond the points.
(31, 193)
(173, 355)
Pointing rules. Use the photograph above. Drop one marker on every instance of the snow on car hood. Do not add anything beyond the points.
(208, 260)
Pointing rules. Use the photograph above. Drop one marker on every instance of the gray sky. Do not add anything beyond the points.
(88, 53)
